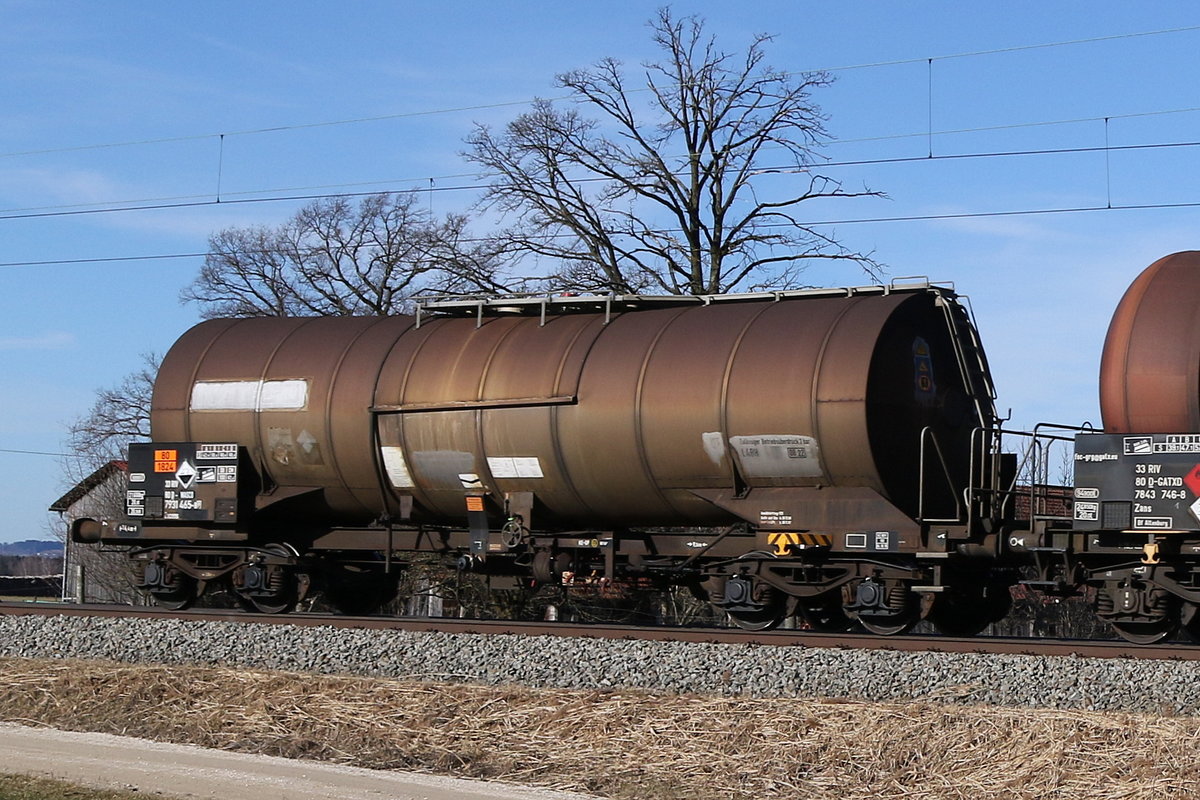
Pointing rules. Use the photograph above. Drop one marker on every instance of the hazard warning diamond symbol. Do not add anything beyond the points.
(1192, 479)
(185, 475)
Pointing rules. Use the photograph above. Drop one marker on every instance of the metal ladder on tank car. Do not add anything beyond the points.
(984, 481)
(968, 351)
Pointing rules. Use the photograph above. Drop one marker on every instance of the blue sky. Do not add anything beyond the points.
(106, 105)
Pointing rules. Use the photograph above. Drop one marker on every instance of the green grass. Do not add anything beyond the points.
(25, 787)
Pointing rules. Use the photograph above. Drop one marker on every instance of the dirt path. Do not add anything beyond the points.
(105, 761)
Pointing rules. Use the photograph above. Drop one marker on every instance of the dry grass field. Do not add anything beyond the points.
(622, 744)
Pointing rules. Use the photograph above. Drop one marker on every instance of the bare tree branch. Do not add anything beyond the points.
(335, 258)
(659, 195)
(120, 415)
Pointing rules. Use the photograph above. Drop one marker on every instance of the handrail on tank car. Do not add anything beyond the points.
(905, 282)
(1033, 461)
(927, 435)
(969, 355)
(1042, 479)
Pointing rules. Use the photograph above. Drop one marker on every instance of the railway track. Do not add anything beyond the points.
(775, 638)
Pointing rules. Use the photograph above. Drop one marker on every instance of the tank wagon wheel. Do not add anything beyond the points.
(257, 605)
(757, 605)
(1149, 632)
(763, 620)
(278, 594)
(1149, 615)
(173, 589)
(1189, 618)
(824, 613)
(955, 617)
(279, 606)
(885, 608)
(888, 626)
(176, 599)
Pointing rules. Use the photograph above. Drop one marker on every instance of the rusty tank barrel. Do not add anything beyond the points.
(1150, 367)
(616, 414)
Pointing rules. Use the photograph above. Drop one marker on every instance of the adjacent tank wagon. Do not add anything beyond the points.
(1135, 532)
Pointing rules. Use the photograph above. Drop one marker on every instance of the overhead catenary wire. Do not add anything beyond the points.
(196, 201)
(178, 201)
(1107, 206)
(527, 101)
(811, 224)
(428, 183)
(36, 453)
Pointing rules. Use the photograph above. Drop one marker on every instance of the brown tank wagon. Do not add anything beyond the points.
(631, 420)
(828, 452)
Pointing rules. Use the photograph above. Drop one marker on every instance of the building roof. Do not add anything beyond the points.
(81, 489)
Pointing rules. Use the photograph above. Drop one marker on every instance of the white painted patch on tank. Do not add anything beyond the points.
(528, 467)
(714, 446)
(501, 467)
(290, 395)
(777, 456)
(286, 395)
(225, 395)
(396, 467)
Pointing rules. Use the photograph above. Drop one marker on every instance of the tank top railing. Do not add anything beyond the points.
(1051, 497)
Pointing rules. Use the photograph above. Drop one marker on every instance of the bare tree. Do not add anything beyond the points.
(335, 258)
(120, 415)
(670, 194)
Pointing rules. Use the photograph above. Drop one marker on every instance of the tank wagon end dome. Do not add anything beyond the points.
(1150, 367)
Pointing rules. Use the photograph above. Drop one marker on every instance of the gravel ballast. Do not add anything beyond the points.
(1156, 687)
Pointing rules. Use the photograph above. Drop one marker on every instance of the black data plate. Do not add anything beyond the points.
(1155, 478)
(190, 481)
